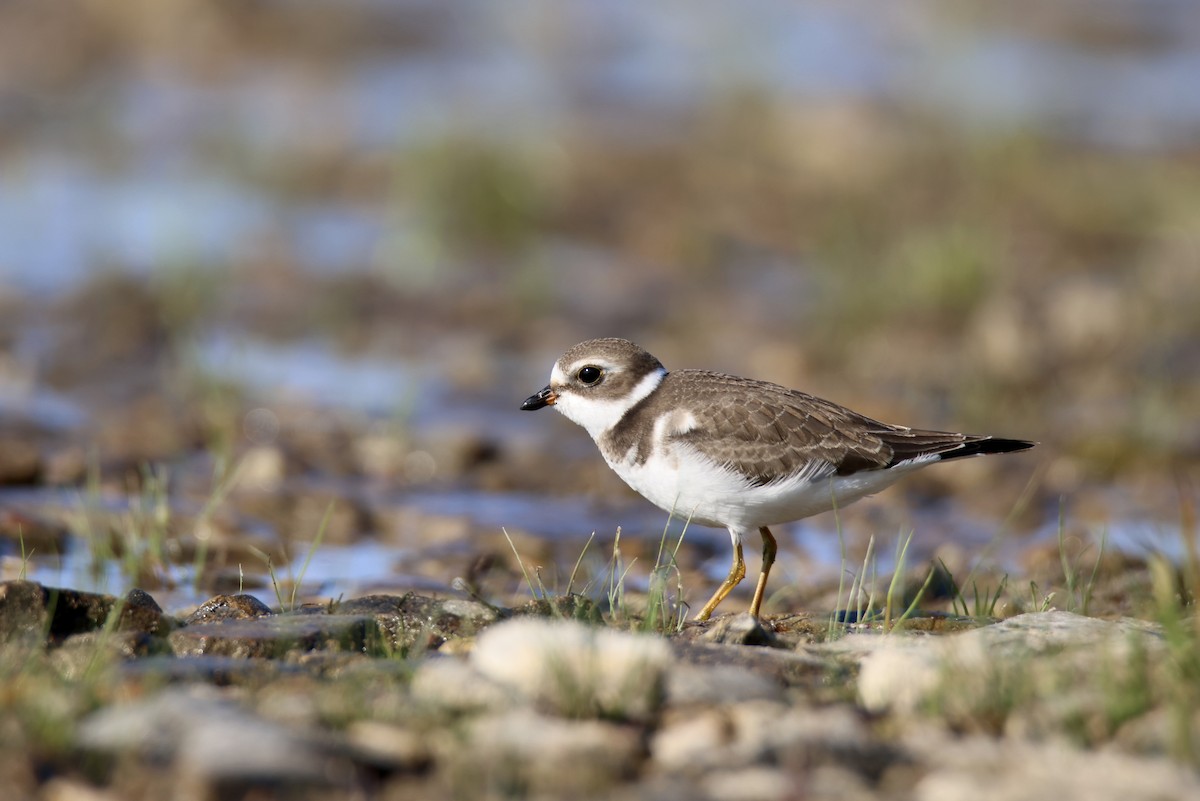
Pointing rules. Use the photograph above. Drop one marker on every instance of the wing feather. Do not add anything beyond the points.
(768, 432)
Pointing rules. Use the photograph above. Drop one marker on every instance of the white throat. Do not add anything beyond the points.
(597, 414)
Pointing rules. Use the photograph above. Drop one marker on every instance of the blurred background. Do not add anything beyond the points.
(258, 257)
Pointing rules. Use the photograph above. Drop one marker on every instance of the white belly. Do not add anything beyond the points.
(692, 487)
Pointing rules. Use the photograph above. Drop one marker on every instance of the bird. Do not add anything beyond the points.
(736, 453)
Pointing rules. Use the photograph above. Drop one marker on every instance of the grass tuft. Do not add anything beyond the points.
(538, 592)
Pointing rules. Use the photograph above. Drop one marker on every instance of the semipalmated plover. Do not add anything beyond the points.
(732, 452)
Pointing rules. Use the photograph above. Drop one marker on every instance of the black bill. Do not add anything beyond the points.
(544, 398)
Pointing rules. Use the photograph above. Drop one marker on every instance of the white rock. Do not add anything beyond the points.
(751, 784)
(69, 790)
(262, 469)
(458, 687)
(696, 741)
(718, 684)
(543, 754)
(901, 672)
(385, 743)
(207, 737)
(741, 735)
(575, 669)
(985, 769)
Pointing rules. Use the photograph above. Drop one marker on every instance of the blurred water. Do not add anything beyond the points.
(310, 372)
(811, 551)
(534, 69)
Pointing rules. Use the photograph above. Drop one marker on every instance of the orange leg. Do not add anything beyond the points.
(737, 572)
(768, 559)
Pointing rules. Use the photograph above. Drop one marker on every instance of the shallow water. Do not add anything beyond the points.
(811, 551)
(530, 71)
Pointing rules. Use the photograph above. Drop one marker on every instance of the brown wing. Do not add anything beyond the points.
(765, 431)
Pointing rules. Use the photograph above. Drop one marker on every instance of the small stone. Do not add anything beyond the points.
(229, 607)
(751, 784)
(742, 735)
(718, 684)
(416, 621)
(807, 665)
(457, 687)
(262, 469)
(476, 613)
(743, 629)
(561, 607)
(575, 669)
(839, 781)
(385, 745)
(276, 636)
(80, 653)
(545, 755)
(141, 613)
(20, 461)
(215, 670)
(60, 789)
(22, 611)
(682, 744)
(210, 740)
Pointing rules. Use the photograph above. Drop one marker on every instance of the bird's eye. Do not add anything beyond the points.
(589, 375)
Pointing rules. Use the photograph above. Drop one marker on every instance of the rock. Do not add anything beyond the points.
(67, 790)
(20, 461)
(474, 614)
(22, 611)
(743, 629)
(756, 732)
(902, 673)
(986, 769)
(561, 607)
(211, 742)
(683, 743)
(575, 669)
(528, 754)
(75, 612)
(263, 468)
(81, 653)
(761, 783)
(141, 613)
(277, 636)
(25, 605)
(898, 678)
(458, 688)
(806, 666)
(718, 684)
(216, 670)
(842, 782)
(416, 621)
(387, 746)
(229, 607)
